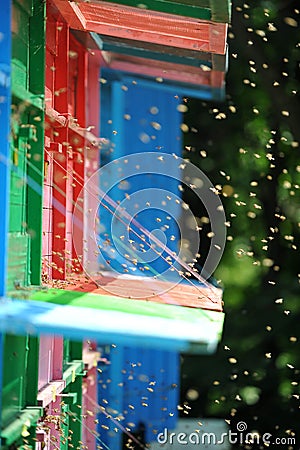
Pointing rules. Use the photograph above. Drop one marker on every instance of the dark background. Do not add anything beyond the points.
(251, 144)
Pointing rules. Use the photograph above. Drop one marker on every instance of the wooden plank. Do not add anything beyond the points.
(60, 159)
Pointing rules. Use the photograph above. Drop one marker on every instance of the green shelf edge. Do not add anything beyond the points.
(214, 10)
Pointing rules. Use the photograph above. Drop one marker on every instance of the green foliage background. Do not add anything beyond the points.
(249, 147)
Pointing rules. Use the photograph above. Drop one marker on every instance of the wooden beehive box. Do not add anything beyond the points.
(187, 51)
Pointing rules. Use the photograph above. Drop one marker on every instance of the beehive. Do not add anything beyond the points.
(154, 40)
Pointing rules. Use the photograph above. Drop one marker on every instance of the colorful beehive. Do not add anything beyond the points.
(184, 80)
(152, 331)
(192, 73)
(114, 45)
(153, 324)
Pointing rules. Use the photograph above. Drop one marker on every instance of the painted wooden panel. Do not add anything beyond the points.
(134, 322)
(20, 42)
(59, 214)
(18, 185)
(193, 80)
(19, 241)
(216, 10)
(69, 213)
(144, 25)
(155, 51)
(20, 352)
(92, 154)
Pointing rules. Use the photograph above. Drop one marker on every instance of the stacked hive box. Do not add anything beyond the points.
(53, 150)
(19, 397)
